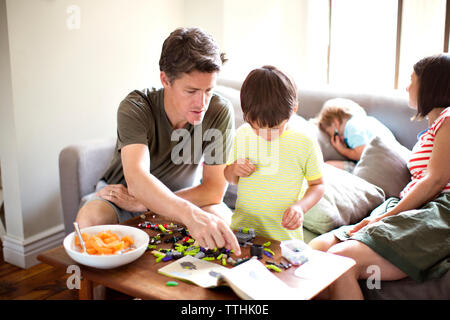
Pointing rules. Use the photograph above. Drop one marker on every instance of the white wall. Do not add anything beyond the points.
(63, 86)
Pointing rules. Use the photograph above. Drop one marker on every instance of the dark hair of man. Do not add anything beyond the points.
(189, 49)
(268, 97)
(433, 74)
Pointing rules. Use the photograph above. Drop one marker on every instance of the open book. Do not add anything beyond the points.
(250, 280)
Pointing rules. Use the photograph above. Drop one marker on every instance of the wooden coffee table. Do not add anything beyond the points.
(141, 279)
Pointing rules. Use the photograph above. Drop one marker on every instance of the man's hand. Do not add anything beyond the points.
(211, 231)
(292, 217)
(118, 194)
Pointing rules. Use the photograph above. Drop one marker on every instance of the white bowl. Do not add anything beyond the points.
(140, 238)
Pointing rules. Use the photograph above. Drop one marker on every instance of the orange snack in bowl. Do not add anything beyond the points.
(104, 243)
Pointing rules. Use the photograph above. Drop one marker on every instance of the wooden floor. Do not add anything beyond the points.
(41, 282)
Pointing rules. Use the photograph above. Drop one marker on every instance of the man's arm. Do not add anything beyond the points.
(209, 230)
(211, 189)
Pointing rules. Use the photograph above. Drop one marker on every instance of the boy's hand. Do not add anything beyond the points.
(292, 217)
(242, 168)
(338, 144)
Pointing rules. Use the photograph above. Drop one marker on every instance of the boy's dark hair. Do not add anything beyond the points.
(433, 74)
(189, 49)
(268, 97)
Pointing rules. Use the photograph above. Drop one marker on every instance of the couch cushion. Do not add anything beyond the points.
(328, 151)
(230, 196)
(407, 289)
(234, 96)
(347, 200)
(383, 163)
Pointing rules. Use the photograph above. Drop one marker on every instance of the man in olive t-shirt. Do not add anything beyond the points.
(162, 137)
(175, 154)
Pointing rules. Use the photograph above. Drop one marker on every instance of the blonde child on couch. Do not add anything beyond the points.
(277, 166)
(350, 130)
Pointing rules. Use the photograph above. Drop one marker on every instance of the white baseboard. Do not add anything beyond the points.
(23, 252)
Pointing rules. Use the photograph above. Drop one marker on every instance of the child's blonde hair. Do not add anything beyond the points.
(340, 109)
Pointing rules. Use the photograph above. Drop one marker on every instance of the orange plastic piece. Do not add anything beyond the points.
(104, 243)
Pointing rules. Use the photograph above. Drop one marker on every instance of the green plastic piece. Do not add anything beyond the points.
(272, 267)
(158, 254)
(208, 258)
(180, 248)
(161, 227)
(171, 283)
(267, 244)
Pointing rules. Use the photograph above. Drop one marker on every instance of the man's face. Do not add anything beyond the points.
(187, 98)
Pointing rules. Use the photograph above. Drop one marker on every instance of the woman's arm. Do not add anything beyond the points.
(438, 175)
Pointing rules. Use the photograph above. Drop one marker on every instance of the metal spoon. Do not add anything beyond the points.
(77, 229)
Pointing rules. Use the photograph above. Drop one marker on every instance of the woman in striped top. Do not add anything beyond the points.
(410, 235)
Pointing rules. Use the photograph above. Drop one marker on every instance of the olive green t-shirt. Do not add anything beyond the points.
(174, 154)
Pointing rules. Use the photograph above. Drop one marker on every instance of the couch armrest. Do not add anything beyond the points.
(80, 167)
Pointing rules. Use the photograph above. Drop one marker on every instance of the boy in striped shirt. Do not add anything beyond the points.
(277, 165)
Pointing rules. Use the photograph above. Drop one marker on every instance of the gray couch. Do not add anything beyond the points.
(82, 165)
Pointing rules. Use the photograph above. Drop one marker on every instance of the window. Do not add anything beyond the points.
(358, 44)
(422, 34)
(362, 43)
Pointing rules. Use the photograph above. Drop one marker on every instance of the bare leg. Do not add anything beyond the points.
(347, 287)
(96, 212)
(323, 242)
(221, 210)
(336, 163)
